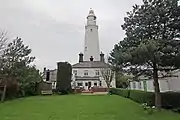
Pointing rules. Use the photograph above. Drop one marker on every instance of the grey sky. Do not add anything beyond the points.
(54, 29)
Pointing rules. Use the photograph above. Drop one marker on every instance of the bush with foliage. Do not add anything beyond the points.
(170, 100)
(122, 92)
(29, 78)
(15, 64)
(64, 74)
(142, 97)
(122, 80)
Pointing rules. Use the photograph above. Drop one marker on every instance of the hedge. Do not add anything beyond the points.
(64, 74)
(142, 97)
(170, 100)
(121, 92)
(0, 94)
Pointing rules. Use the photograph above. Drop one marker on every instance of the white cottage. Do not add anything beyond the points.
(88, 73)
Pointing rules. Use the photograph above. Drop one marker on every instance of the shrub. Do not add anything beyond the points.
(135, 95)
(122, 92)
(11, 89)
(0, 93)
(64, 78)
(125, 93)
(170, 100)
(142, 97)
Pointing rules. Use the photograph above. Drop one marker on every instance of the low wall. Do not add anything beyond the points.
(99, 89)
(78, 90)
(45, 88)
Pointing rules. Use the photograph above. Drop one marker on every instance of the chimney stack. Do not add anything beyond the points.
(102, 57)
(91, 58)
(80, 57)
(48, 75)
(44, 69)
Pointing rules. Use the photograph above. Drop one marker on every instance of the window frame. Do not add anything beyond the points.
(79, 84)
(85, 72)
(75, 72)
(139, 85)
(100, 83)
(97, 71)
(134, 85)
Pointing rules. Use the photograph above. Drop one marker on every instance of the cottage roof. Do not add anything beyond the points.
(91, 64)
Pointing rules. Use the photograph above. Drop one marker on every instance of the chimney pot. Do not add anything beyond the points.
(44, 69)
(91, 58)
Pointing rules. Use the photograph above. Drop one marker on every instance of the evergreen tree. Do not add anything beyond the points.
(15, 65)
(152, 33)
(64, 74)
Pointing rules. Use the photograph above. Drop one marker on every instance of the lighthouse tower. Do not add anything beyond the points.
(91, 47)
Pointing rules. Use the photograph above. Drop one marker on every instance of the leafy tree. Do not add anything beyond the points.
(29, 79)
(122, 80)
(107, 75)
(15, 62)
(3, 40)
(151, 42)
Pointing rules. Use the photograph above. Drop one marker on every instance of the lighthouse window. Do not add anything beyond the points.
(91, 30)
(85, 48)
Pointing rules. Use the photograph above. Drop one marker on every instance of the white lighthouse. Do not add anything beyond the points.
(91, 47)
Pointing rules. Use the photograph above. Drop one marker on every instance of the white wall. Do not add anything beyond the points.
(165, 84)
(80, 71)
(53, 75)
(137, 86)
(174, 83)
(150, 86)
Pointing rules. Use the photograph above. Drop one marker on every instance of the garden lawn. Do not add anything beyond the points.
(78, 107)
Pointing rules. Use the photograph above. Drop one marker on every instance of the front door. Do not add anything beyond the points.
(89, 85)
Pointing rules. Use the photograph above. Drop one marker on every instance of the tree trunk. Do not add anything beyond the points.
(108, 90)
(108, 86)
(116, 77)
(157, 89)
(4, 92)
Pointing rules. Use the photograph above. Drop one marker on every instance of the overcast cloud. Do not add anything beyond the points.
(54, 29)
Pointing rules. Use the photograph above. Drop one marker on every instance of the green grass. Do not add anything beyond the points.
(77, 107)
